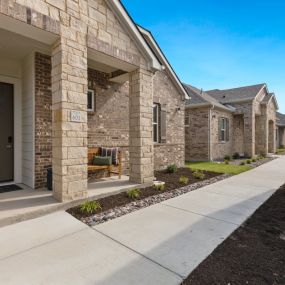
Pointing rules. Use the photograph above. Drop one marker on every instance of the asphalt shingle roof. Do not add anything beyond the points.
(280, 121)
(231, 95)
(201, 97)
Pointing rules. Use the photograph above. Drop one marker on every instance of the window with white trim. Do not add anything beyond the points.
(156, 123)
(90, 101)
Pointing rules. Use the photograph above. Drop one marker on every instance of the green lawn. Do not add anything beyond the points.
(280, 151)
(218, 167)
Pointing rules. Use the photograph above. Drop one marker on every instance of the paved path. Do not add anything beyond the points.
(161, 244)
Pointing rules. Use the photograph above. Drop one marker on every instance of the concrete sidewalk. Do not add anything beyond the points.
(161, 244)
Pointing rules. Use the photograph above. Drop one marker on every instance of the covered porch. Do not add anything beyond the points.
(28, 203)
(51, 120)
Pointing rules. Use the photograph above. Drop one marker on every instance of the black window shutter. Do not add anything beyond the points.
(162, 124)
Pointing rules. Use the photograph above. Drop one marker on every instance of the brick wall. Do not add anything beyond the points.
(220, 149)
(197, 135)
(238, 134)
(109, 124)
(43, 118)
(247, 109)
(173, 151)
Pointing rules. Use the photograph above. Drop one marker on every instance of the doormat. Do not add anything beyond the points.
(9, 188)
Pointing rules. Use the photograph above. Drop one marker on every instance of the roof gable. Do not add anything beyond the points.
(150, 40)
(201, 98)
(130, 27)
(268, 98)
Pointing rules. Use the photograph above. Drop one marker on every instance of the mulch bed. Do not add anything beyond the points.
(171, 183)
(254, 254)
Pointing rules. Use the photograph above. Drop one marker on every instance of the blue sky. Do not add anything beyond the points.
(219, 43)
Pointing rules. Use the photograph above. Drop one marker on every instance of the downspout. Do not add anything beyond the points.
(209, 133)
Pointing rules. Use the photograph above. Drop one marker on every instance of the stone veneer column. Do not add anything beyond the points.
(69, 88)
(249, 134)
(264, 131)
(141, 141)
(271, 136)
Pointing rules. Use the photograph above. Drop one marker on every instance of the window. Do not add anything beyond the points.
(224, 130)
(156, 123)
(90, 101)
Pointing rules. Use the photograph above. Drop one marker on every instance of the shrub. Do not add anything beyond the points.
(227, 162)
(159, 187)
(172, 168)
(184, 180)
(242, 163)
(282, 146)
(90, 207)
(228, 157)
(198, 174)
(254, 160)
(134, 193)
(236, 155)
(248, 161)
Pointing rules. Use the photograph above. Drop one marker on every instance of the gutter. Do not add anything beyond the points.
(200, 105)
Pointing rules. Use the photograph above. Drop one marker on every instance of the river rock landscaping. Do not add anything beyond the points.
(254, 254)
(120, 204)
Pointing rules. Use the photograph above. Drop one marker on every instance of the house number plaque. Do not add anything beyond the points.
(75, 116)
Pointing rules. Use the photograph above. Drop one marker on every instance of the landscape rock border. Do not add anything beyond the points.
(137, 205)
(117, 212)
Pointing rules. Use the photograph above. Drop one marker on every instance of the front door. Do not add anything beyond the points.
(6, 132)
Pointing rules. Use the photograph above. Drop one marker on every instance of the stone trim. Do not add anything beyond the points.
(106, 48)
(29, 16)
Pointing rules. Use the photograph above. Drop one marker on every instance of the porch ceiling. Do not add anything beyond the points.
(100, 66)
(21, 28)
(108, 63)
(17, 47)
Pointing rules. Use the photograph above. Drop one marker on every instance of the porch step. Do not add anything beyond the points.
(29, 204)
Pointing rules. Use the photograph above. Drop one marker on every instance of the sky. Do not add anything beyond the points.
(219, 44)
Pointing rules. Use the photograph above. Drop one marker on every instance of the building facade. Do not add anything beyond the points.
(280, 134)
(221, 123)
(77, 74)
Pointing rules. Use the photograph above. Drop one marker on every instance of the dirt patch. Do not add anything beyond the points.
(254, 254)
(171, 183)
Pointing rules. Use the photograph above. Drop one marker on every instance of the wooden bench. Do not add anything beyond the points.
(110, 168)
